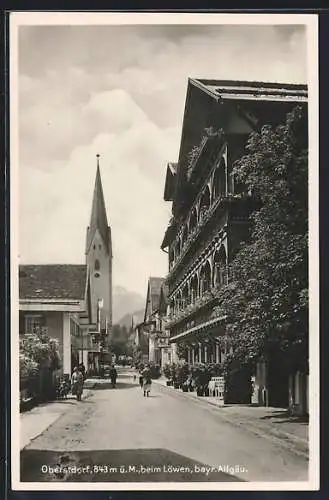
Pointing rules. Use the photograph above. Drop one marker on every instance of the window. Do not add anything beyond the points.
(33, 323)
(75, 329)
(99, 247)
(97, 265)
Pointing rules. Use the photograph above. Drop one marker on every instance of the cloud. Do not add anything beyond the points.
(55, 204)
(120, 92)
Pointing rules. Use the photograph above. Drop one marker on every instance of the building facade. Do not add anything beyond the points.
(153, 327)
(52, 297)
(210, 210)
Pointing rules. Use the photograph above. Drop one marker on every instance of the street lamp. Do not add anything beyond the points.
(100, 304)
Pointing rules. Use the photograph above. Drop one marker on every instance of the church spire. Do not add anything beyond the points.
(98, 218)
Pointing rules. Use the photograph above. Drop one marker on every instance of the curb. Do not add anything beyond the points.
(284, 439)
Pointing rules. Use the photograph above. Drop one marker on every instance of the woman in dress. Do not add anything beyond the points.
(147, 381)
(77, 383)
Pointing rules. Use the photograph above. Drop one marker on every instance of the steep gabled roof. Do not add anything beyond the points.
(98, 218)
(52, 281)
(217, 103)
(153, 296)
(250, 90)
(155, 289)
(170, 181)
(169, 233)
(163, 299)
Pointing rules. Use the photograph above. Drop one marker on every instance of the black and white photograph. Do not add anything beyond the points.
(164, 259)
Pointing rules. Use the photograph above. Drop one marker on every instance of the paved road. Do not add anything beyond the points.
(118, 435)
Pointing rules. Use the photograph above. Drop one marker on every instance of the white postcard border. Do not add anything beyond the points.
(18, 19)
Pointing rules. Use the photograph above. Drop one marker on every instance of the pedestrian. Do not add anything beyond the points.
(113, 376)
(77, 383)
(147, 381)
(82, 369)
(141, 381)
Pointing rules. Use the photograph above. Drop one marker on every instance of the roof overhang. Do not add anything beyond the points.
(235, 89)
(69, 305)
(169, 189)
(168, 236)
(197, 328)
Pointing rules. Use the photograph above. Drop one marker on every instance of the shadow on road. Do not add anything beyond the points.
(281, 417)
(69, 401)
(139, 465)
(108, 385)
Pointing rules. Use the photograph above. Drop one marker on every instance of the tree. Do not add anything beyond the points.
(119, 341)
(266, 301)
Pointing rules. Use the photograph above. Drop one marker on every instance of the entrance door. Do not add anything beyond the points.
(277, 381)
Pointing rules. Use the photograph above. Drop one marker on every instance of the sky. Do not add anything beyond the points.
(119, 91)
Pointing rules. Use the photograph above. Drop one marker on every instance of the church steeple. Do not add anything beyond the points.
(99, 261)
(98, 218)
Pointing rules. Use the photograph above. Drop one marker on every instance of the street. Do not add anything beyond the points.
(118, 435)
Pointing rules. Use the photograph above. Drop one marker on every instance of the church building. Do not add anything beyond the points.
(73, 303)
(99, 275)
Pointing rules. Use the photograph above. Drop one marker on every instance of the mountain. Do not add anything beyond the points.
(126, 302)
(127, 318)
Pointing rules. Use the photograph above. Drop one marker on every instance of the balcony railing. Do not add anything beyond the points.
(207, 298)
(194, 156)
(205, 218)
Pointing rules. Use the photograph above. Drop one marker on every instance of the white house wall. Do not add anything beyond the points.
(66, 344)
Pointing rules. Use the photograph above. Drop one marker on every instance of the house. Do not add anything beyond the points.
(53, 297)
(141, 345)
(166, 356)
(210, 217)
(154, 324)
(74, 302)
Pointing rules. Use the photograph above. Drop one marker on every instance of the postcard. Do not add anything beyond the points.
(164, 251)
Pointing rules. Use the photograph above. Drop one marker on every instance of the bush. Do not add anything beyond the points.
(155, 370)
(170, 371)
(38, 359)
(40, 349)
(182, 373)
(167, 370)
(27, 367)
(202, 374)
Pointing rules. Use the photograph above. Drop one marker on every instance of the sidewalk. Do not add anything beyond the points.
(266, 422)
(35, 421)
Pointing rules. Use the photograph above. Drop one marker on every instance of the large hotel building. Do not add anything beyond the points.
(210, 210)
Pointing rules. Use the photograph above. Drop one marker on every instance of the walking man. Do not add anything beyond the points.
(113, 376)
